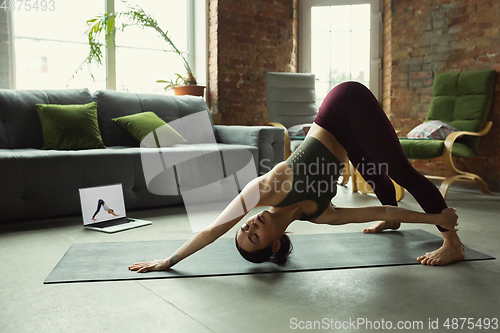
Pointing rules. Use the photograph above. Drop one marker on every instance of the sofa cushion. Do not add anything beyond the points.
(70, 126)
(114, 104)
(20, 125)
(139, 125)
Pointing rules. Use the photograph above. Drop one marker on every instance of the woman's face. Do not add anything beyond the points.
(258, 232)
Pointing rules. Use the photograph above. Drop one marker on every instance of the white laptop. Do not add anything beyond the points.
(103, 209)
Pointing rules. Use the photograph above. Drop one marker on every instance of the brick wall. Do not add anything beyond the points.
(439, 36)
(247, 40)
(250, 38)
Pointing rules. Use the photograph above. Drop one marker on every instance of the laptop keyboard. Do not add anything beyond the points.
(112, 223)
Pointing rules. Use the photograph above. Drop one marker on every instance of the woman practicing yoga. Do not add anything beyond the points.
(349, 123)
(102, 204)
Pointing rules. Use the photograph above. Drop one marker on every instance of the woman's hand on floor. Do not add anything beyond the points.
(448, 219)
(155, 265)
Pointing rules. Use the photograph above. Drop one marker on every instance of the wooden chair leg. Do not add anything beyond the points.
(450, 165)
(354, 177)
(445, 185)
(363, 186)
(400, 191)
(459, 175)
(360, 185)
(482, 184)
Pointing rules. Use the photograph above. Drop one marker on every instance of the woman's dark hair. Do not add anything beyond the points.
(266, 254)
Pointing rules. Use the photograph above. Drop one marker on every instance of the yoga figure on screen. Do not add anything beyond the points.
(105, 207)
(350, 123)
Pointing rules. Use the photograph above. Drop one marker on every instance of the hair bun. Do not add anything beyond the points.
(281, 256)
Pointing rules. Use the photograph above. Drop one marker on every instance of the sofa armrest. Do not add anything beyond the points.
(269, 140)
(288, 152)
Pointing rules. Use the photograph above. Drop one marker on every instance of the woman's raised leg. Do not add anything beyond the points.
(358, 122)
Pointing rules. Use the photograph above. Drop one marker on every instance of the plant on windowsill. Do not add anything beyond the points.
(136, 16)
(181, 86)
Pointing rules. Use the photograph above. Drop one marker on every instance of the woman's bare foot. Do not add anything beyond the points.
(443, 256)
(451, 251)
(381, 226)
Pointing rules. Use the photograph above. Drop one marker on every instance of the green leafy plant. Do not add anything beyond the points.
(179, 81)
(105, 25)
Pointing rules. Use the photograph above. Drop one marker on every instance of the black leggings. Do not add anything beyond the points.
(354, 116)
(100, 203)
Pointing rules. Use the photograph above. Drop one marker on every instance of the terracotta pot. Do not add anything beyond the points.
(194, 90)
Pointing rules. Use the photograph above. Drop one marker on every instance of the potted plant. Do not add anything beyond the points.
(135, 16)
(182, 86)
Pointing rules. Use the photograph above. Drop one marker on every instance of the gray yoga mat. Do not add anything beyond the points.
(88, 262)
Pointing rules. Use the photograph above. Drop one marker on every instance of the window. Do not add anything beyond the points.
(51, 45)
(142, 57)
(340, 42)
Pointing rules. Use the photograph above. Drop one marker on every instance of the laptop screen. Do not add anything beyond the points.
(102, 203)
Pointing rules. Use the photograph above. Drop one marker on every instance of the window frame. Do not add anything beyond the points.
(376, 30)
(12, 58)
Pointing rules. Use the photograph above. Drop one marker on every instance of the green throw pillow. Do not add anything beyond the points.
(67, 127)
(141, 124)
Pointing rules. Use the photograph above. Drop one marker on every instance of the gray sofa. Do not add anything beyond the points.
(36, 183)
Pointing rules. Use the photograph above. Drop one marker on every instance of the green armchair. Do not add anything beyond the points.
(463, 101)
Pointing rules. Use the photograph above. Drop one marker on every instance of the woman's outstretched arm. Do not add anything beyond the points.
(337, 216)
(249, 198)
